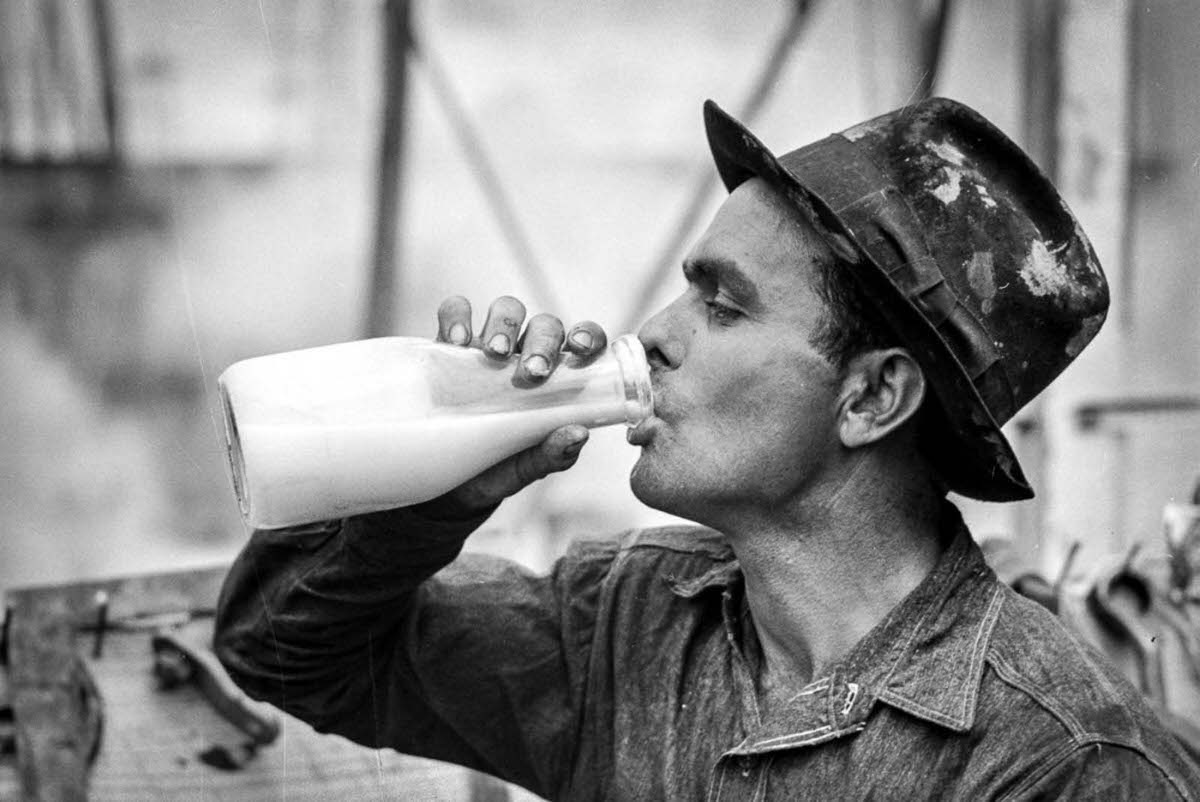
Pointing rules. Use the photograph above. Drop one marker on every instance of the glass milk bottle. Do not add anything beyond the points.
(363, 426)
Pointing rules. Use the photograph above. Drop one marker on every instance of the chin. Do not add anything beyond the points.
(646, 484)
(662, 489)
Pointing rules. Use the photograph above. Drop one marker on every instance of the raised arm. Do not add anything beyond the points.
(371, 628)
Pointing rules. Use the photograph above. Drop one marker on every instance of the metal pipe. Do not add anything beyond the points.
(381, 303)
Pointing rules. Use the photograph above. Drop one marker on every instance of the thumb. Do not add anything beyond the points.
(559, 451)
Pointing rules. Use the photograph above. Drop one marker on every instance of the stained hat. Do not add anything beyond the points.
(968, 252)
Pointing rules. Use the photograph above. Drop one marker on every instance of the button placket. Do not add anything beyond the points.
(760, 787)
(717, 782)
(732, 779)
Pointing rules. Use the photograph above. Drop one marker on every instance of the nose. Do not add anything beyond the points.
(663, 351)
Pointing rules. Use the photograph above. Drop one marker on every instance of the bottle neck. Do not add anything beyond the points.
(635, 374)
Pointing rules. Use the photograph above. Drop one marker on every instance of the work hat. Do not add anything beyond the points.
(967, 251)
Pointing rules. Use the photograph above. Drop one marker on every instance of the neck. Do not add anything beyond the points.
(823, 571)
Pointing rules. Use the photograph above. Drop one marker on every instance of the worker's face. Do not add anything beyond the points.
(745, 407)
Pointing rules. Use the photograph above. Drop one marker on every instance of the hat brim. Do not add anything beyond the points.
(970, 450)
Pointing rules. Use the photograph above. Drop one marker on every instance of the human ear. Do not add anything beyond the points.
(882, 390)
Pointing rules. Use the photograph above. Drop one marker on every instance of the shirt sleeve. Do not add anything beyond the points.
(1111, 772)
(372, 629)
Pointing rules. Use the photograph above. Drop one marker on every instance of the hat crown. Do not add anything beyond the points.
(1002, 237)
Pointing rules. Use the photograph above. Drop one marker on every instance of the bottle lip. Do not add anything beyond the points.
(233, 447)
(635, 373)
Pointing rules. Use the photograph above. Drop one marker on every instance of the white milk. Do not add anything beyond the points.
(369, 468)
(385, 423)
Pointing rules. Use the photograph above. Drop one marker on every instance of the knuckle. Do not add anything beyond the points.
(454, 320)
(527, 468)
(510, 310)
(453, 305)
(545, 331)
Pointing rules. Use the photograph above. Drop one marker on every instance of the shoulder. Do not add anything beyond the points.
(1106, 771)
(1034, 654)
(677, 561)
(665, 545)
(1068, 704)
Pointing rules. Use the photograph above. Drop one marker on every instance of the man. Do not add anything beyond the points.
(859, 319)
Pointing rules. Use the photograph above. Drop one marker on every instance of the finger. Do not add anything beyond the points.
(559, 451)
(504, 319)
(586, 339)
(454, 321)
(540, 346)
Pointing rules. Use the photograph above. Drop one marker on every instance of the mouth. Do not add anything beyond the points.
(643, 433)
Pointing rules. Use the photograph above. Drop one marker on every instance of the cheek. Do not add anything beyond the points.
(779, 411)
(770, 388)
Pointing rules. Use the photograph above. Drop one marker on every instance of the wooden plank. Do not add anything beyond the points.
(134, 595)
(55, 707)
(161, 744)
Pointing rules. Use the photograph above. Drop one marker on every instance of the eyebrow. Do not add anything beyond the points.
(726, 274)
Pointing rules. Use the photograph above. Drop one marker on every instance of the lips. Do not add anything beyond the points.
(643, 433)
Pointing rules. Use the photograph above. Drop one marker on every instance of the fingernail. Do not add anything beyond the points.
(573, 448)
(499, 344)
(582, 339)
(458, 334)
(537, 365)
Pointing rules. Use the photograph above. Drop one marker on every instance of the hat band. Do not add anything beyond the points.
(886, 228)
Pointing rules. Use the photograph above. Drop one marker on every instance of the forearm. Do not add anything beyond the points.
(484, 665)
(306, 616)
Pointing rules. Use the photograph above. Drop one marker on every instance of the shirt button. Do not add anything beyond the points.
(746, 763)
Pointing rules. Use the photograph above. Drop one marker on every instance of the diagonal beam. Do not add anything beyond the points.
(381, 301)
(503, 209)
(705, 179)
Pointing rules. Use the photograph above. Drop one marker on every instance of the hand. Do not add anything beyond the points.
(540, 346)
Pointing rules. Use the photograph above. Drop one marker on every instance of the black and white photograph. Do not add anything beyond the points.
(620, 401)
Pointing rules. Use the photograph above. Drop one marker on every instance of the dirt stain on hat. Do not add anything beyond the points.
(982, 277)
(1041, 271)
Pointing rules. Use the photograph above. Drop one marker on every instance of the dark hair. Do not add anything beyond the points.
(850, 324)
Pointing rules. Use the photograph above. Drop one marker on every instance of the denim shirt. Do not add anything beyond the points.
(629, 673)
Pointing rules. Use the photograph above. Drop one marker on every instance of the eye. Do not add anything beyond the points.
(720, 312)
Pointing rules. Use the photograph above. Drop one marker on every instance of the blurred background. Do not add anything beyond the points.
(185, 184)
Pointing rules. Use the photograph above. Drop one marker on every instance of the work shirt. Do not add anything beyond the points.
(629, 673)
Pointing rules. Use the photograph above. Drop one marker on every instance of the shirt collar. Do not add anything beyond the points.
(726, 573)
(927, 656)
